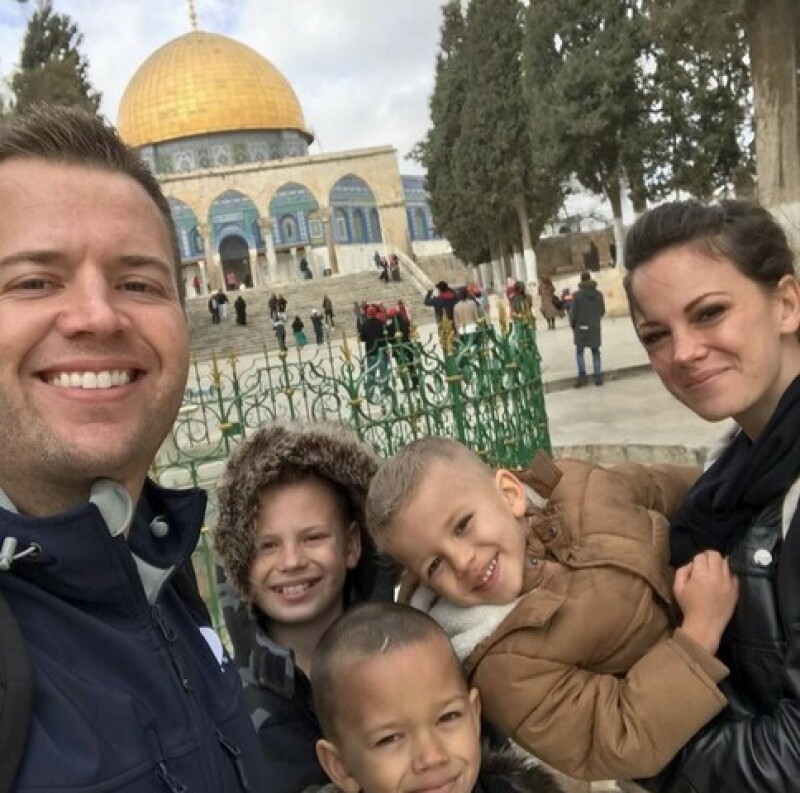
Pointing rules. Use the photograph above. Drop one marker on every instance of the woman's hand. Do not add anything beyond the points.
(706, 591)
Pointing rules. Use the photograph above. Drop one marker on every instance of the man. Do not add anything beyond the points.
(585, 312)
(128, 692)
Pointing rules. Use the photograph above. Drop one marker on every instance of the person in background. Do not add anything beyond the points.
(122, 684)
(279, 328)
(213, 308)
(443, 300)
(547, 297)
(585, 317)
(327, 310)
(319, 330)
(298, 329)
(222, 304)
(240, 307)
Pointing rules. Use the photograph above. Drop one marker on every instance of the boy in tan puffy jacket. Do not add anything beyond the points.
(553, 586)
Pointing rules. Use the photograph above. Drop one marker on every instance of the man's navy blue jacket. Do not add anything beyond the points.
(129, 694)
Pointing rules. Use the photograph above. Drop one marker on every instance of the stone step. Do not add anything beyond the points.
(301, 297)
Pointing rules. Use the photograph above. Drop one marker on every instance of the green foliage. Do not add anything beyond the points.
(456, 214)
(699, 97)
(582, 70)
(52, 69)
(478, 152)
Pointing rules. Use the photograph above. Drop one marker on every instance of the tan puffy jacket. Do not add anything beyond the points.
(584, 670)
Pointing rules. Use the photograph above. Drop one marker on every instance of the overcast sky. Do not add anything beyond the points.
(362, 69)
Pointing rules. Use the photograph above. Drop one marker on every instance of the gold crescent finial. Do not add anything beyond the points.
(192, 15)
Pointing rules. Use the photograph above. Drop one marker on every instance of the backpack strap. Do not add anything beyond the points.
(16, 696)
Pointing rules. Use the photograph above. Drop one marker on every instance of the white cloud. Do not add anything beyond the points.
(362, 69)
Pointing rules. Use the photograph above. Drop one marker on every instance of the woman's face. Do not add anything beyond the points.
(719, 343)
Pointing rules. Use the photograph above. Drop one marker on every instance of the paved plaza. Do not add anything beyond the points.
(631, 417)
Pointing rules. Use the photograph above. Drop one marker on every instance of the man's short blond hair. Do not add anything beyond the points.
(398, 478)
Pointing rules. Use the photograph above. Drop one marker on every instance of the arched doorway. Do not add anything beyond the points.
(235, 259)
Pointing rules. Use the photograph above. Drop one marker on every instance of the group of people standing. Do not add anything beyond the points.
(319, 322)
(539, 598)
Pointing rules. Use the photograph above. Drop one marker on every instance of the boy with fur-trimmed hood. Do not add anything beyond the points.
(292, 538)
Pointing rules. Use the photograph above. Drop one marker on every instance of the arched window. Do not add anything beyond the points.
(341, 231)
(421, 222)
(359, 226)
(288, 229)
(376, 235)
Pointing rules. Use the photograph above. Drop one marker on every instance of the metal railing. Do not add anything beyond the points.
(484, 390)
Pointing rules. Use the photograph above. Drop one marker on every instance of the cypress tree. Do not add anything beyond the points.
(52, 69)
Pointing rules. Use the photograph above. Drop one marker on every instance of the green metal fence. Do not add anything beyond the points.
(485, 390)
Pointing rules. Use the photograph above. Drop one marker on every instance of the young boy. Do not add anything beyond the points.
(557, 598)
(292, 537)
(397, 713)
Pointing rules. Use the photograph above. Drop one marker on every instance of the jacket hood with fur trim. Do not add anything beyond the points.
(330, 451)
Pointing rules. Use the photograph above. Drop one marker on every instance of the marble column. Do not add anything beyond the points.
(327, 226)
(265, 224)
(213, 265)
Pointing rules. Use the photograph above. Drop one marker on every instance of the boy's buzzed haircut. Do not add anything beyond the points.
(364, 630)
(399, 476)
(73, 136)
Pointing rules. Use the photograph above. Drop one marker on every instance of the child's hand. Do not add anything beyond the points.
(706, 591)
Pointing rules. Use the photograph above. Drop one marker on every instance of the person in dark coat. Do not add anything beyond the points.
(327, 310)
(388, 664)
(298, 329)
(272, 303)
(281, 304)
(319, 330)
(376, 354)
(240, 307)
(291, 511)
(585, 315)
(279, 327)
(443, 302)
(213, 307)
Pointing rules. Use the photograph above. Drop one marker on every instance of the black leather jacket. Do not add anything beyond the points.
(753, 746)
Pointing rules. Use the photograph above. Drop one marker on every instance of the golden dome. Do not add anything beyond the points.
(201, 83)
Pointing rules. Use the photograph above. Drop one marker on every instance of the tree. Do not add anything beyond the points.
(773, 35)
(51, 68)
(771, 30)
(584, 73)
(699, 135)
(453, 211)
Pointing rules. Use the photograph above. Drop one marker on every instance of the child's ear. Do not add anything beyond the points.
(512, 490)
(330, 759)
(475, 704)
(352, 545)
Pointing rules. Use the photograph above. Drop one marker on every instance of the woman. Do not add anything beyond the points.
(298, 329)
(716, 304)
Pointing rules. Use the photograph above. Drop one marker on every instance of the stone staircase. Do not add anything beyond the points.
(446, 267)
(301, 297)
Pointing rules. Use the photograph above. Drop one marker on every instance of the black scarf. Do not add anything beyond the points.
(745, 478)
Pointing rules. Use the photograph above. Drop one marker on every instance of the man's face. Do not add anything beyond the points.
(460, 533)
(408, 724)
(303, 550)
(93, 342)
